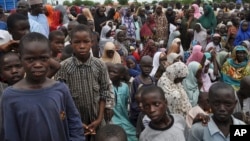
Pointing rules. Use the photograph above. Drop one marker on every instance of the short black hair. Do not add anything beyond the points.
(13, 19)
(7, 54)
(82, 19)
(79, 28)
(32, 37)
(109, 131)
(153, 88)
(55, 33)
(219, 85)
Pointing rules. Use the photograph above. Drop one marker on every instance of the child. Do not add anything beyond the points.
(41, 107)
(121, 91)
(222, 101)
(198, 111)
(243, 33)
(111, 132)
(87, 78)
(134, 68)
(11, 71)
(56, 39)
(143, 79)
(215, 44)
(163, 126)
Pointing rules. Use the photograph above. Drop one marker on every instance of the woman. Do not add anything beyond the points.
(148, 29)
(133, 66)
(110, 55)
(187, 23)
(206, 81)
(149, 49)
(200, 35)
(105, 37)
(100, 18)
(172, 58)
(161, 24)
(128, 21)
(208, 20)
(171, 83)
(197, 55)
(197, 13)
(243, 33)
(157, 62)
(179, 50)
(236, 67)
(63, 11)
(193, 82)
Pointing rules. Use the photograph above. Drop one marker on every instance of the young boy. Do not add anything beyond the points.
(111, 132)
(56, 39)
(163, 126)
(142, 80)
(222, 101)
(87, 78)
(38, 108)
(244, 94)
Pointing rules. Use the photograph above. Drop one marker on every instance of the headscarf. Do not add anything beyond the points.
(103, 38)
(208, 21)
(197, 12)
(104, 31)
(99, 20)
(196, 54)
(242, 35)
(146, 30)
(147, 50)
(133, 71)
(201, 36)
(232, 72)
(171, 57)
(116, 58)
(190, 83)
(247, 43)
(206, 81)
(176, 40)
(156, 63)
(63, 11)
(178, 102)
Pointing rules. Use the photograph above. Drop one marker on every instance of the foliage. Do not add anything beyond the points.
(84, 2)
(123, 2)
(107, 2)
(67, 3)
(154, 2)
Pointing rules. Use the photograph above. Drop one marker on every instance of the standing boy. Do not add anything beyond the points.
(37, 108)
(87, 78)
(222, 101)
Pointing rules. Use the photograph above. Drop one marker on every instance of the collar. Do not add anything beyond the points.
(80, 63)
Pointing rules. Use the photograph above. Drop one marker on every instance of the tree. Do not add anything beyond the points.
(67, 3)
(123, 2)
(107, 2)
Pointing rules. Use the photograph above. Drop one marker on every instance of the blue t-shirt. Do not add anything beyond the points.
(47, 114)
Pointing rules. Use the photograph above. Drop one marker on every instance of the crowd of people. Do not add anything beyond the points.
(150, 72)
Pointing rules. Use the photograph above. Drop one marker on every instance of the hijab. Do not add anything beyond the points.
(208, 21)
(63, 11)
(206, 81)
(136, 70)
(201, 36)
(196, 55)
(176, 40)
(116, 58)
(171, 57)
(156, 63)
(99, 19)
(197, 12)
(242, 35)
(190, 82)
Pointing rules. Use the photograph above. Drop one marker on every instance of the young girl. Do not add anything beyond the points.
(121, 91)
(41, 107)
(134, 68)
(163, 126)
(243, 33)
(142, 80)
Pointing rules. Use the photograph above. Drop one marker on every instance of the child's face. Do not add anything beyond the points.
(110, 53)
(91, 25)
(12, 69)
(216, 40)
(81, 44)
(35, 60)
(57, 44)
(138, 101)
(146, 67)
(154, 106)
(222, 104)
(244, 26)
(21, 28)
(197, 28)
(114, 73)
(121, 36)
(130, 64)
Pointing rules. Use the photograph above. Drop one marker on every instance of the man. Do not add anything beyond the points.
(36, 13)
(23, 8)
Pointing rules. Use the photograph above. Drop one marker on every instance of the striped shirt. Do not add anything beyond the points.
(88, 83)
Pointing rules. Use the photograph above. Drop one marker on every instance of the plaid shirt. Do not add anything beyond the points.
(88, 83)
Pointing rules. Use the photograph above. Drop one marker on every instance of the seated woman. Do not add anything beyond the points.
(243, 33)
(110, 54)
(236, 67)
